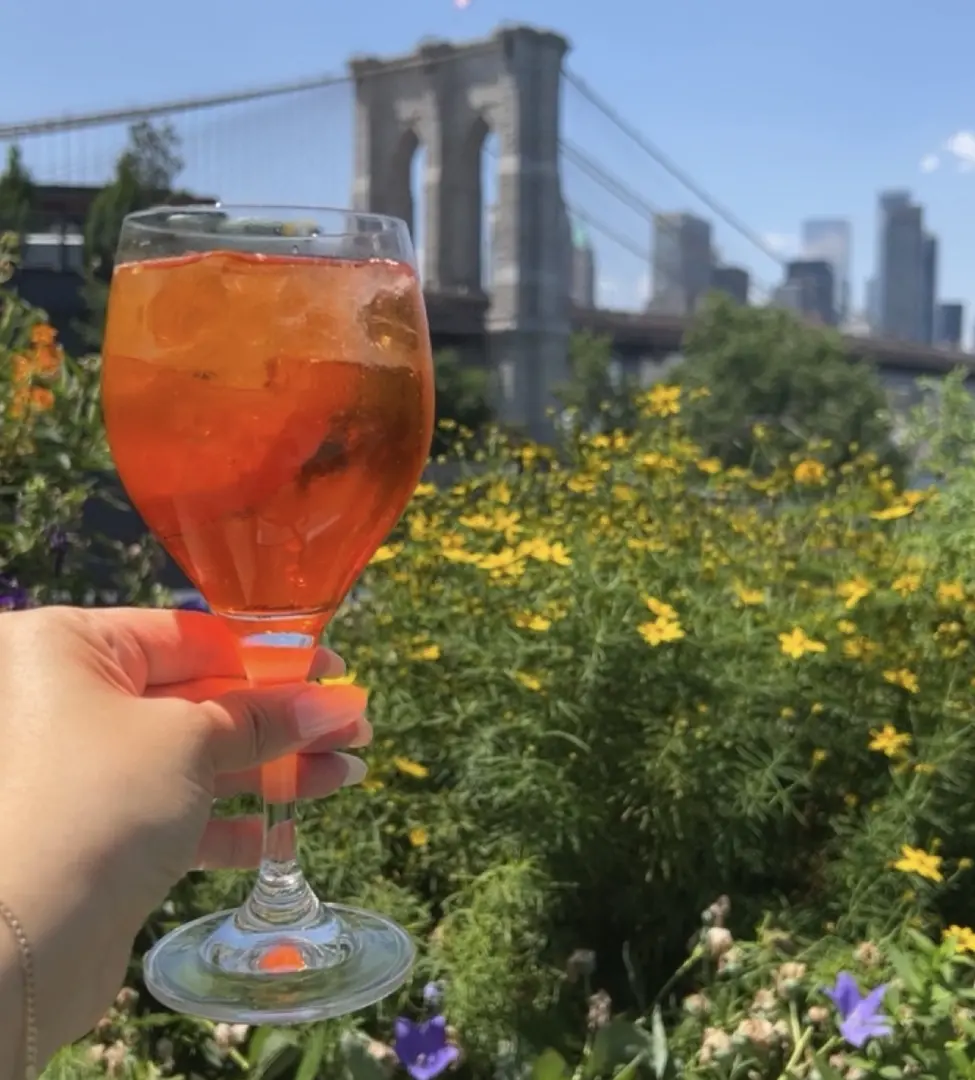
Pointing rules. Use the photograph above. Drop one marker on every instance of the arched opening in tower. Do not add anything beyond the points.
(418, 203)
(482, 155)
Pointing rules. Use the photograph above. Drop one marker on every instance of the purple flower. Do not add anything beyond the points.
(423, 1047)
(432, 993)
(193, 602)
(859, 1016)
(12, 596)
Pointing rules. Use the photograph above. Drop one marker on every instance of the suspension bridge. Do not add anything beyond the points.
(491, 150)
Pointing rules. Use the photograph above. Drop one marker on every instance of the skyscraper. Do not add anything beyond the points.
(733, 281)
(811, 289)
(830, 240)
(900, 268)
(948, 324)
(582, 272)
(683, 259)
(929, 283)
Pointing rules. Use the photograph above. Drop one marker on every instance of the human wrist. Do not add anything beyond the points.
(12, 998)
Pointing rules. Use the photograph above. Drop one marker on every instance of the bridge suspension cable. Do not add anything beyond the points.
(79, 121)
(680, 175)
(627, 196)
(594, 223)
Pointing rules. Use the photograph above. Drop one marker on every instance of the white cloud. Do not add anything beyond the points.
(929, 163)
(782, 243)
(961, 146)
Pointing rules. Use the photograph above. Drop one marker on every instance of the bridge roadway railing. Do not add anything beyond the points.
(464, 315)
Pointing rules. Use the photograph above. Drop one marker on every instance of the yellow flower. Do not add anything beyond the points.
(527, 620)
(348, 679)
(581, 485)
(664, 400)
(906, 584)
(411, 768)
(853, 591)
(660, 609)
(846, 627)
(917, 861)
(386, 552)
(809, 472)
(951, 592)
(903, 678)
(428, 652)
(962, 936)
(660, 631)
(371, 785)
(889, 741)
(419, 837)
(529, 682)
(711, 465)
(421, 491)
(749, 597)
(819, 756)
(796, 643)
(893, 512)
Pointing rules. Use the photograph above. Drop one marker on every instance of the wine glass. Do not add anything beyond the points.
(268, 396)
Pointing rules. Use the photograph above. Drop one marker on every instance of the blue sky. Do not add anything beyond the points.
(780, 110)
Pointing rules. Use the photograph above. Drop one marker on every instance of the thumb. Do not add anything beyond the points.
(251, 727)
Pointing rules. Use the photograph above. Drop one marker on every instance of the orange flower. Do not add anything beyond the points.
(43, 336)
(30, 398)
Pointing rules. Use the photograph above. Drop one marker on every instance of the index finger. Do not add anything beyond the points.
(159, 646)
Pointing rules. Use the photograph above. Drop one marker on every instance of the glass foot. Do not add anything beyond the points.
(337, 963)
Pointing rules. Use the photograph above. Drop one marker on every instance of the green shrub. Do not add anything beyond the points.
(608, 686)
(52, 454)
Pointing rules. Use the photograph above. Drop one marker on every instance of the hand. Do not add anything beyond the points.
(117, 731)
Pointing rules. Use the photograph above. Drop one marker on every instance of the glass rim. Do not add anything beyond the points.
(141, 219)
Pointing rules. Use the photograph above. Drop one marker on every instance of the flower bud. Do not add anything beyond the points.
(96, 1054)
(126, 999)
(115, 1057)
(222, 1036)
(384, 1056)
(757, 1031)
(717, 913)
(788, 977)
(730, 963)
(867, 954)
(718, 941)
(764, 1001)
(238, 1034)
(817, 1014)
(600, 1010)
(697, 1005)
(715, 1045)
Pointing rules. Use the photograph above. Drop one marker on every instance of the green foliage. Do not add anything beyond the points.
(597, 400)
(52, 450)
(763, 1007)
(608, 685)
(763, 369)
(145, 174)
(462, 397)
(16, 194)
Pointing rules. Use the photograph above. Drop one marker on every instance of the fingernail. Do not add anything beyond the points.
(321, 710)
(355, 770)
(364, 738)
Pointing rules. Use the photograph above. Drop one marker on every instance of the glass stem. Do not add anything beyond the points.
(281, 896)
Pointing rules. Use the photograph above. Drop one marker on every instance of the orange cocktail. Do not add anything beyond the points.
(269, 417)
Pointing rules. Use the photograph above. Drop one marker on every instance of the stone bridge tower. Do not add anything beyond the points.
(448, 98)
